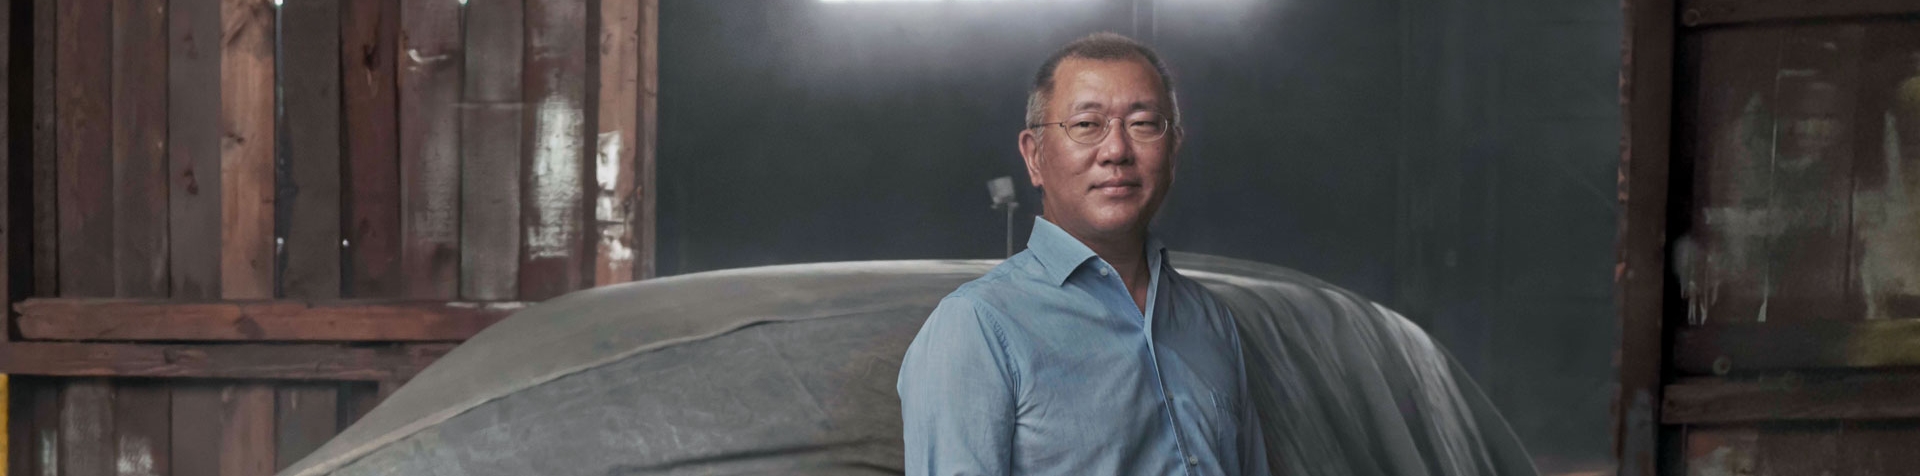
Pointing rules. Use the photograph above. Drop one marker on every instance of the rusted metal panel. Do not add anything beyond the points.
(554, 258)
(1646, 91)
(139, 148)
(84, 74)
(372, 190)
(429, 76)
(193, 148)
(246, 149)
(310, 91)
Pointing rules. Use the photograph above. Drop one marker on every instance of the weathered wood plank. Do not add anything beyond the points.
(310, 88)
(246, 149)
(85, 134)
(1792, 397)
(356, 399)
(153, 320)
(139, 148)
(490, 133)
(247, 361)
(372, 193)
(193, 147)
(246, 432)
(614, 166)
(43, 443)
(21, 425)
(429, 147)
(196, 427)
(646, 218)
(307, 415)
(555, 259)
(86, 428)
(46, 228)
(1699, 13)
(143, 434)
(1773, 173)
(1646, 87)
(1884, 268)
(1744, 348)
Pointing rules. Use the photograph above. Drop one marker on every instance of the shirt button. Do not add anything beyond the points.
(1193, 461)
(1103, 271)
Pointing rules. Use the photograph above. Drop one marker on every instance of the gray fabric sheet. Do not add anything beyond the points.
(790, 370)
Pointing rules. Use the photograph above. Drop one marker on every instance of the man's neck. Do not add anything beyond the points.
(1127, 254)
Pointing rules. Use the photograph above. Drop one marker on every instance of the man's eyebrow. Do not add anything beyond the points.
(1086, 106)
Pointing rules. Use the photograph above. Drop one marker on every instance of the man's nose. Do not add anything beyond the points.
(1114, 148)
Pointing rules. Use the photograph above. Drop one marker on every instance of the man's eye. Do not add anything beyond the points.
(1085, 125)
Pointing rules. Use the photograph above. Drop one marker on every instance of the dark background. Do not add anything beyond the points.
(1454, 159)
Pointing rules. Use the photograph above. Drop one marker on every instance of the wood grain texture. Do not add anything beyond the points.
(246, 430)
(196, 427)
(614, 166)
(306, 416)
(1646, 88)
(246, 149)
(246, 361)
(46, 231)
(44, 413)
(1792, 397)
(429, 148)
(1834, 344)
(490, 134)
(85, 132)
(193, 148)
(139, 148)
(554, 260)
(86, 428)
(143, 433)
(368, 43)
(1699, 13)
(1884, 268)
(160, 320)
(647, 215)
(310, 88)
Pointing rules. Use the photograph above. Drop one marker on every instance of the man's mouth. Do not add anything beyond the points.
(1116, 187)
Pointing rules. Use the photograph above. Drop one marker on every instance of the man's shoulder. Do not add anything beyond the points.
(1003, 284)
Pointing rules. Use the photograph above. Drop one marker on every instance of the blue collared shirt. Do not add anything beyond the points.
(1046, 366)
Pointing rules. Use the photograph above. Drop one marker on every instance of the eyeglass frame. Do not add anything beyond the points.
(1167, 126)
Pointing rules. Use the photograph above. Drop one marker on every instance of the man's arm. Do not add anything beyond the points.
(956, 394)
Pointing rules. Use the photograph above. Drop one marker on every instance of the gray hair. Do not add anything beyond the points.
(1097, 46)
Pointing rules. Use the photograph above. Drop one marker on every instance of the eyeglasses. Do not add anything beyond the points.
(1091, 127)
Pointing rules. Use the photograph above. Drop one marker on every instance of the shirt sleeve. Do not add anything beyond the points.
(957, 395)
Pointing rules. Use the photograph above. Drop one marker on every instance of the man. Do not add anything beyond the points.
(1086, 354)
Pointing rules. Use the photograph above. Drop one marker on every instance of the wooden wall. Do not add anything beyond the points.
(1770, 274)
(233, 226)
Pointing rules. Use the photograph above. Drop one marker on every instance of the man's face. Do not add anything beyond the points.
(1109, 189)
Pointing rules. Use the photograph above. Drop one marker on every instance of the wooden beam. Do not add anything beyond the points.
(240, 361)
(1698, 13)
(159, 320)
(246, 149)
(553, 260)
(1751, 347)
(1855, 397)
(1646, 89)
(613, 209)
(490, 123)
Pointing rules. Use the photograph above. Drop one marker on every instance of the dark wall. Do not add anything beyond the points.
(1451, 158)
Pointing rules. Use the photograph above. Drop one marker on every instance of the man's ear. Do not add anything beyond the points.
(1030, 153)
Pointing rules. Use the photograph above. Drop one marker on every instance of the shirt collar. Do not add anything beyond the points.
(1060, 254)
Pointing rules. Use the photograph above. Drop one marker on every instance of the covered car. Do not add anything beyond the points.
(791, 370)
